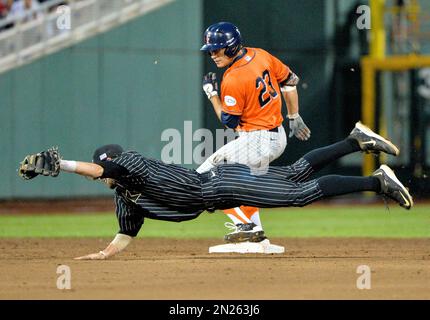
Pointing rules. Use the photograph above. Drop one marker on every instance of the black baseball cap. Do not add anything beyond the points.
(107, 151)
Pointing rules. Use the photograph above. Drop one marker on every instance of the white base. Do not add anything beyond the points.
(247, 247)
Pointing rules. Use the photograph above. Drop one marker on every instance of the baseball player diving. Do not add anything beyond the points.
(250, 102)
(147, 188)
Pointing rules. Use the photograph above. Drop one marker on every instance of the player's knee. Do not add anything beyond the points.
(304, 198)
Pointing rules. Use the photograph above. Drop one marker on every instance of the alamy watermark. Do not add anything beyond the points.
(64, 20)
(364, 20)
(180, 148)
(365, 280)
(64, 281)
(197, 147)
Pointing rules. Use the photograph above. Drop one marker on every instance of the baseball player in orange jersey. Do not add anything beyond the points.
(251, 104)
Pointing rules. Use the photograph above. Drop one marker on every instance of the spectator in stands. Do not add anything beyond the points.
(24, 9)
(5, 6)
(52, 8)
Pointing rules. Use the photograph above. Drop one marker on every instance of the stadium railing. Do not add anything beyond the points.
(59, 24)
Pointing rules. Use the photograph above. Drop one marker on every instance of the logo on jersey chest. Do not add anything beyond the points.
(133, 197)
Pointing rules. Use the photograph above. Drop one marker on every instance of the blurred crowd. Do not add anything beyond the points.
(24, 10)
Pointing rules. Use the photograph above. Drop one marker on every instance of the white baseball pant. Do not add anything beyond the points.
(255, 149)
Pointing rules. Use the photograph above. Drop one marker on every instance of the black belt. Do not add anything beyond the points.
(276, 129)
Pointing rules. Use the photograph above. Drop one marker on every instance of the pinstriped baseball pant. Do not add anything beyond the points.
(228, 186)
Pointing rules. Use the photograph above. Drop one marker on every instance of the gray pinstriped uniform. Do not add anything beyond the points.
(161, 191)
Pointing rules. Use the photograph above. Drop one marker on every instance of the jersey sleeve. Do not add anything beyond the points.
(232, 95)
(280, 70)
(113, 170)
(130, 219)
(230, 120)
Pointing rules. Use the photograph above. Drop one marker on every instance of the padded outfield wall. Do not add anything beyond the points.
(125, 86)
(129, 85)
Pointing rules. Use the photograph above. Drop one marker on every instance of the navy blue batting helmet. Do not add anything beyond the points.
(222, 35)
(107, 151)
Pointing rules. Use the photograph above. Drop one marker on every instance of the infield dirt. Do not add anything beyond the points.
(183, 269)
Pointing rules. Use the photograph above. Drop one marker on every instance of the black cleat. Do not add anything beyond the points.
(369, 141)
(244, 232)
(392, 187)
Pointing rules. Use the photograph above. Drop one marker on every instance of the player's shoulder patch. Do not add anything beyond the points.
(230, 101)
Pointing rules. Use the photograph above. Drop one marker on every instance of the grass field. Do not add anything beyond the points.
(324, 246)
(314, 221)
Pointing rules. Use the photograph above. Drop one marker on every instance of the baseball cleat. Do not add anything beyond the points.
(392, 187)
(369, 141)
(244, 232)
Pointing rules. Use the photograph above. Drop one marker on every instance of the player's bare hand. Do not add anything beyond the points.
(93, 256)
(298, 128)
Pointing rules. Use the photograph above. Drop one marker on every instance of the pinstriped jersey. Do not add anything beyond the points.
(149, 188)
(162, 182)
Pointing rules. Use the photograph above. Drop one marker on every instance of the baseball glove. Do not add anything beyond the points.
(46, 163)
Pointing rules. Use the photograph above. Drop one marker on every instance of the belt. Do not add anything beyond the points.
(276, 129)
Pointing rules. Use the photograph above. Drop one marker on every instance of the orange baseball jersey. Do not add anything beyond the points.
(250, 88)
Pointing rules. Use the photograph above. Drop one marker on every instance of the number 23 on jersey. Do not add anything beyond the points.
(267, 91)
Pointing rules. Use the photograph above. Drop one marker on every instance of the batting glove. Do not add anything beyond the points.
(210, 85)
(298, 128)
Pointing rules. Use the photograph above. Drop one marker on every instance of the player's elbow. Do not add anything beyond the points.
(230, 120)
(290, 83)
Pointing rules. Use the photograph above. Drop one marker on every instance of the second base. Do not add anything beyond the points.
(247, 247)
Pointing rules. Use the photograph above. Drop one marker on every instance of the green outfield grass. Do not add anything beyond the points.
(314, 221)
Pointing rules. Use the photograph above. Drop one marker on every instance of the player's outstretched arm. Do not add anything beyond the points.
(49, 163)
(87, 169)
(119, 243)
